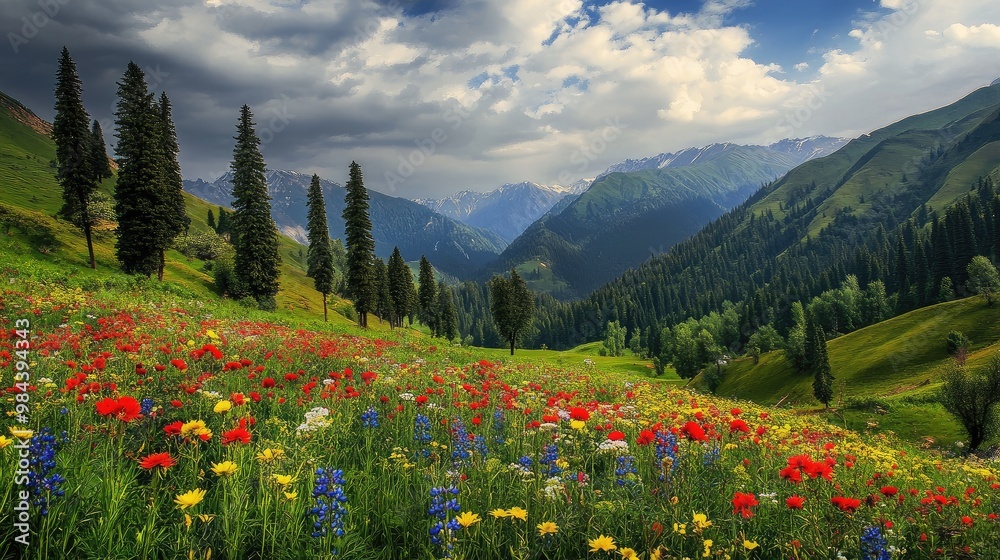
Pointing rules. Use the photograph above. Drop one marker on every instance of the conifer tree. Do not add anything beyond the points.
(362, 283)
(512, 306)
(822, 375)
(427, 294)
(319, 259)
(255, 235)
(175, 218)
(141, 207)
(223, 227)
(400, 287)
(211, 221)
(99, 163)
(447, 321)
(73, 141)
(811, 353)
(383, 301)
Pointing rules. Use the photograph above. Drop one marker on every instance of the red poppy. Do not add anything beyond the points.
(267, 382)
(967, 521)
(577, 413)
(130, 409)
(795, 502)
(694, 431)
(889, 491)
(421, 399)
(739, 425)
(176, 403)
(239, 434)
(107, 407)
(153, 460)
(173, 429)
(847, 505)
(646, 437)
(179, 364)
(616, 435)
(742, 502)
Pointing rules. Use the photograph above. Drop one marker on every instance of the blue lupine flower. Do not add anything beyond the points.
(440, 505)
(330, 503)
(460, 444)
(369, 419)
(874, 545)
(550, 458)
(499, 426)
(711, 456)
(422, 433)
(146, 406)
(525, 462)
(666, 455)
(42, 485)
(625, 467)
(480, 445)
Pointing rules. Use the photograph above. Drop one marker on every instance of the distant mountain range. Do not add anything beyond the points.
(507, 210)
(453, 247)
(639, 208)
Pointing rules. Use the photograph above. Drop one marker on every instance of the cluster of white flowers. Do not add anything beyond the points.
(613, 447)
(549, 427)
(329, 381)
(213, 394)
(406, 396)
(316, 418)
(525, 472)
(554, 487)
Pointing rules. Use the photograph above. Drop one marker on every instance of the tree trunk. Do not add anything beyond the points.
(85, 216)
(324, 308)
(512, 339)
(159, 269)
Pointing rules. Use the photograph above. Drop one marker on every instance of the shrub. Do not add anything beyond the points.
(957, 342)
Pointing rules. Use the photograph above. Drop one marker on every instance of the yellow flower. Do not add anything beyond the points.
(211, 334)
(628, 554)
(602, 543)
(749, 545)
(283, 479)
(222, 407)
(467, 518)
(290, 496)
(206, 517)
(268, 455)
(680, 528)
(187, 521)
(577, 424)
(701, 522)
(708, 548)
(519, 513)
(224, 468)
(656, 554)
(4, 441)
(547, 528)
(195, 428)
(500, 513)
(190, 498)
(20, 433)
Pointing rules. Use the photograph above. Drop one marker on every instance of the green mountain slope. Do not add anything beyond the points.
(894, 365)
(30, 190)
(624, 218)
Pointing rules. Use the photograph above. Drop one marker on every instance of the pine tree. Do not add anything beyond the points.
(98, 154)
(255, 236)
(140, 205)
(822, 375)
(362, 284)
(223, 227)
(383, 301)
(512, 306)
(400, 287)
(447, 319)
(319, 259)
(73, 141)
(175, 216)
(811, 352)
(427, 294)
(211, 221)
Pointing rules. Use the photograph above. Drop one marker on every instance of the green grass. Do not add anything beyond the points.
(575, 358)
(546, 281)
(964, 175)
(897, 362)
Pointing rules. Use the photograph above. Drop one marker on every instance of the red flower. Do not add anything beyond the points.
(791, 474)
(173, 429)
(616, 435)
(130, 409)
(107, 407)
(577, 413)
(889, 491)
(742, 502)
(694, 431)
(267, 382)
(967, 521)
(176, 403)
(421, 399)
(646, 437)
(153, 460)
(179, 364)
(739, 425)
(291, 377)
(795, 502)
(239, 434)
(846, 505)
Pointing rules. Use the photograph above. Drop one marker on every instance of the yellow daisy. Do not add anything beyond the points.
(547, 528)
(519, 513)
(467, 518)
(224, 468)
(283, 479)
(602, 544)
(222, 407)
(500, 513)
(190, 498)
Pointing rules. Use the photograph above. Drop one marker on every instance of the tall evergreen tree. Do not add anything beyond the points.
(175, 216)
(99, 163)
(427, 294)
(141, 208)
(383, 301)
(71, 132)
(811, 350)
(400, 287)
(319, 259)
(512, 306)
(255, 235)
(211, 221)
(223, 227)
(822, 375)
(362, 283)
(447, 321)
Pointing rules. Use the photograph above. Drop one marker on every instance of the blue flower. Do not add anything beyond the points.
(625, 467)
(874, 545)
(369, 419)
(146, 406)
(549, 458)
(666, 454)
(499, 426)
(331, 501)
(41, 484)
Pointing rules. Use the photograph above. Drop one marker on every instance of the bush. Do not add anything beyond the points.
(957, 342)
(203, 246)
(972, 397)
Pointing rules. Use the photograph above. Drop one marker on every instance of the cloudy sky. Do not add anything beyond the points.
(435, 96)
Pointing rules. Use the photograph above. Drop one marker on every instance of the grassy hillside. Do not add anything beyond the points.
(27, 173)
(892, 366)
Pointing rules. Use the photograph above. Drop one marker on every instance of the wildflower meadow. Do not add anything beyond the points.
(163, 427)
